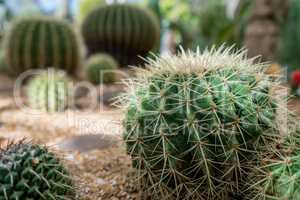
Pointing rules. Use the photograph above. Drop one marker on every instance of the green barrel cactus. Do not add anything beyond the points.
(41, 43)
(50, 91)
(282, 179)
(277, 176)
(29, 171)
(121, 30)
(194, 123)
(101, 68)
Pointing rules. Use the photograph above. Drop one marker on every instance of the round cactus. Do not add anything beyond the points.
(41, 43)
(101, 68)
(50, 91)
(195, 122)
(277, 174)
(121, 30)
(29, 171)
(282, 179)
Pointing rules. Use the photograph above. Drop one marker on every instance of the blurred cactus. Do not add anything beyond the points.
(101, 68)
(40, 42)
(50, 91)
(122, 30)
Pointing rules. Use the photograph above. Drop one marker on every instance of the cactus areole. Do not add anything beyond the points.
(195, 122)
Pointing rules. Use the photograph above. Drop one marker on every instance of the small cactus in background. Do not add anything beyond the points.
(101, 68)
(40, 43)
(50, 91)
(196, 122)
(121, 30)
(29, 171)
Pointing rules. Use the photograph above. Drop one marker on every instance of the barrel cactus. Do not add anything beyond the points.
(101, 68)
(29, 171)
(195, 122)
(50, 91)
(40, 43)
(277, 175)
(121, 30)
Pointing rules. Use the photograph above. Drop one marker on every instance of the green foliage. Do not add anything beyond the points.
(181, 16)
(50, 91)
(41, 42)
(101, 68)
(86, 6)
(216, 27)
(29, 171)
(195, 123)
(290, 39)
(122, 30)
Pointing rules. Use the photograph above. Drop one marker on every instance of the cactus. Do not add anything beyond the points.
(277, 175)
(281, 179)
(121, 30)
(101, 68)
(40, 43)
(49, 92)
(29, 171)
(194, 123)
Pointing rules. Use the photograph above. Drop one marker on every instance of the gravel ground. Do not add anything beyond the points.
(104, 174)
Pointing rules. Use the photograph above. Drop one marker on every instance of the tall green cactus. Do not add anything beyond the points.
(121, 30)
(29, 171)
(41, 42)
(195, 123)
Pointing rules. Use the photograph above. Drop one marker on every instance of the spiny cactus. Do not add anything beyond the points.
(121, 30)
(195, 123)
(50, 91)
(29, 171)
(40, 43)
(277, 176)
(101, 68)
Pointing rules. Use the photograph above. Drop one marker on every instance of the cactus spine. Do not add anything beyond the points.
(41, 43)
(195, 123)
(121, 30)
(29, 171)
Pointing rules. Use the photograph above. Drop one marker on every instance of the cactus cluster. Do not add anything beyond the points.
(29, 171)
(41, 42)
(50, 91)
(196, 123)
(101, 68)
(122, 30)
